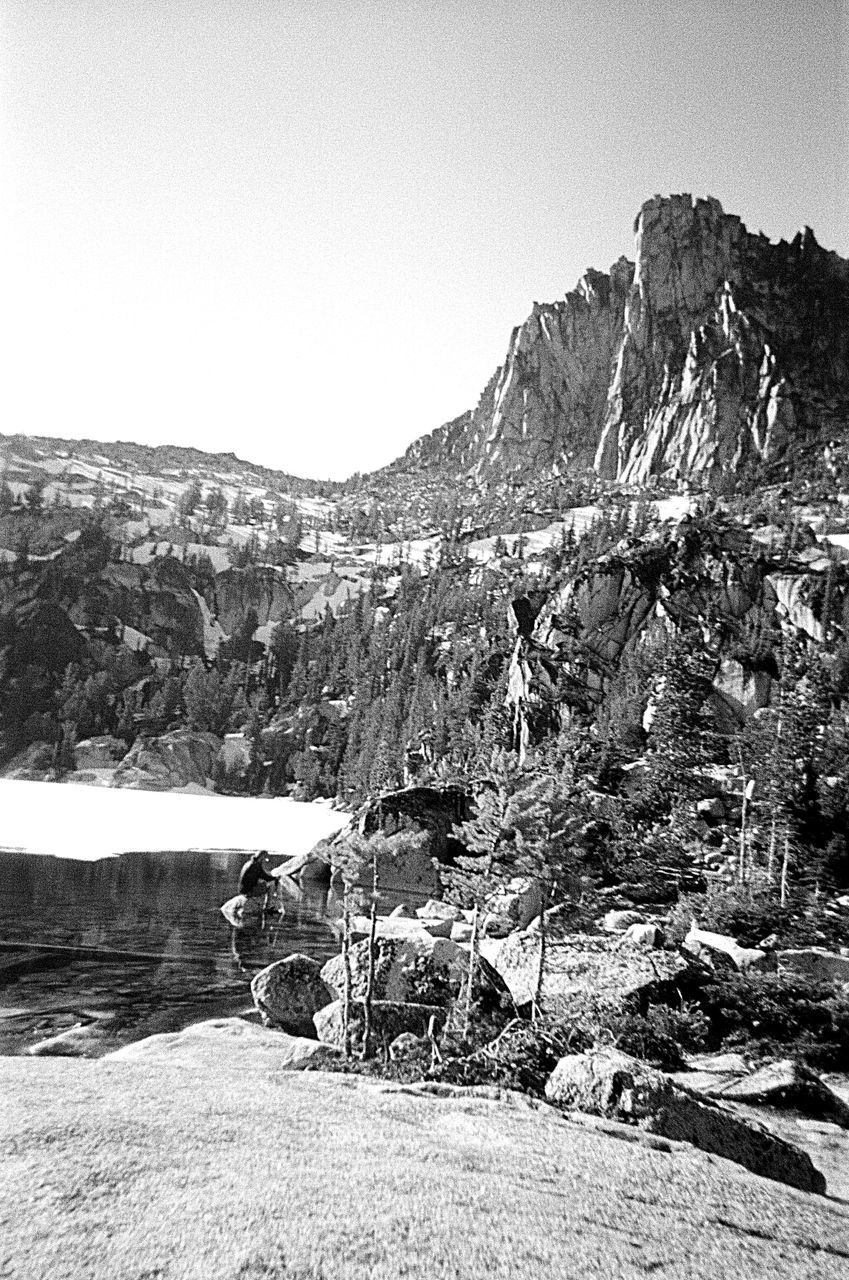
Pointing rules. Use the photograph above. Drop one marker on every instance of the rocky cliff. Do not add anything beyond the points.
(715, 350)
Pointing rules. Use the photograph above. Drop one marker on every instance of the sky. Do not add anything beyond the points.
(302, 230)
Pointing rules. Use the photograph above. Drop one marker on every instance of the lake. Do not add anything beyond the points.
(128, 946)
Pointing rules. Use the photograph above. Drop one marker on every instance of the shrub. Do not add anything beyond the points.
(768, 1015)
(752, 913)
(743, 913)
(662, 1033)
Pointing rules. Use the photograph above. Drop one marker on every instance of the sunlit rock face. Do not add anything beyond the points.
(544, 406)
(733, 347)
(716, 349)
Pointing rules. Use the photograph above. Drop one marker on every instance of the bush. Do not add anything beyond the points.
(751, 914)
(768, 1015)
(743, 913)
(662, 1033)
(522, 1057)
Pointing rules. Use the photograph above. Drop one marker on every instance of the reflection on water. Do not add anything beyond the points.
(126, 946)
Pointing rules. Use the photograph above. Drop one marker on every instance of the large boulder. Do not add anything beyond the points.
(405, 868)
(816, 964)
(584, 965)
(389, 1019)
(437, 910)
(608, 1083)
(182, 758)
(288, 993)
(86, 1040)
(698, 941)
(621, 921)
(419, 969)
(643, 935)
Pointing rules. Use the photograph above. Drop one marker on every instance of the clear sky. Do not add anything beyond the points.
(303, 229)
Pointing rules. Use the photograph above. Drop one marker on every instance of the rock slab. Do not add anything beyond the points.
(584, 965)
(612, 1084)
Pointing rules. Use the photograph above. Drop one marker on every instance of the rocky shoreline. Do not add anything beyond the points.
(776, 1118)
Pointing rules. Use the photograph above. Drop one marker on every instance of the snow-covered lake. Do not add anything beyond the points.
(89, 823)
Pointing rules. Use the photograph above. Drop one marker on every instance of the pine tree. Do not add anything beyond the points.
(546, 813)
(475, 876)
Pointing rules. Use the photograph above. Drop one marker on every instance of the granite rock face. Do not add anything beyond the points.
(733, 347)
(183, 757)
(716, 348)
(545, 405)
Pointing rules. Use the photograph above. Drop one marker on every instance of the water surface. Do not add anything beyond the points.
(125, 947)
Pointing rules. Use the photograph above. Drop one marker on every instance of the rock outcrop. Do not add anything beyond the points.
(816, 964)
(260, 588)
(544, 406)
(102, 752)
(733, 347)
(217, 1038)
(714, 349)
(784, 1084)
(182, 758)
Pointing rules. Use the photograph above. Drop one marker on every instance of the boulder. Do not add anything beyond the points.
(788, 1084)
(400, 927)
(585, 965)
(495, 926)
(711, 810)
(389, 1019)
(642, 935)
(519, 902)
(419, 969)
(407, 1046)
(608, 1083)
(814, 963)
(558, 919)
(87, 1040)
(205, 1040)
(405, 869)
(722, 1063)
(435, 910)
(461, 932)
(242, 911)
(289, 992)
(102, 752)
(620, 921)
(743, 958)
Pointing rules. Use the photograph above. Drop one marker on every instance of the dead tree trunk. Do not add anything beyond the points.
(372, 948)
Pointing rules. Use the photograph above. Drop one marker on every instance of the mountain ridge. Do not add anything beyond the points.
(716, 348)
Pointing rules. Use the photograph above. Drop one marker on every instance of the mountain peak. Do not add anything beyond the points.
(713, 350)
